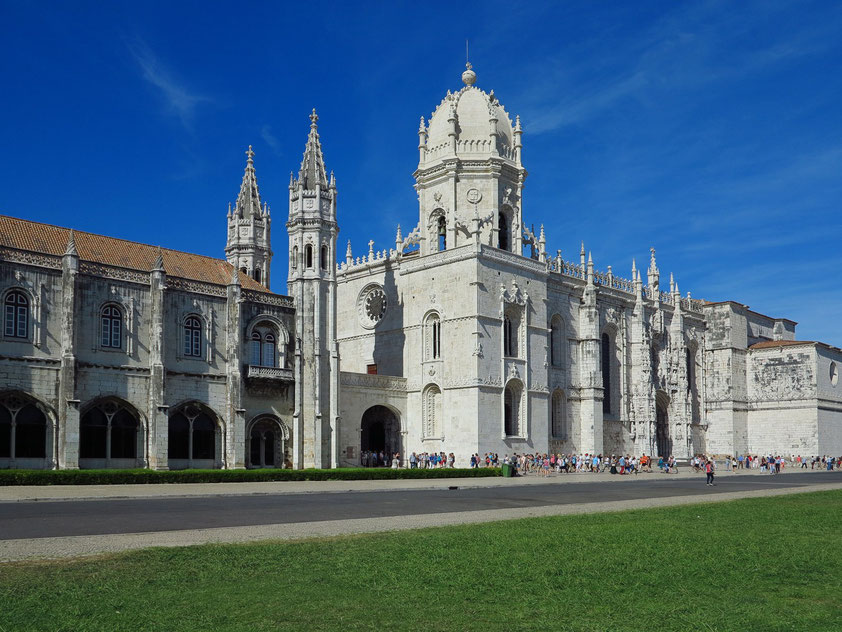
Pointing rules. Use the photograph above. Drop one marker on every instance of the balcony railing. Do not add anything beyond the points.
(270, 373)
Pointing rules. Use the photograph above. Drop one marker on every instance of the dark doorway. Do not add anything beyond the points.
(380, 431)
(266, 444)
(662, 433)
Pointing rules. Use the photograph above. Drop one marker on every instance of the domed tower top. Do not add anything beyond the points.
(470, 176)
(470, 123)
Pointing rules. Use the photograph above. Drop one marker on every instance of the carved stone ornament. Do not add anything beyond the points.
(513, 372)
(473, 196)
(514, 295)
(437, 196)
(371, 306)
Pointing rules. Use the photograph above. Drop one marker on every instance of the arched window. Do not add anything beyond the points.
(559, 425)
(244, 270)
(294, 257)
(111, 327)
(16, 315)
(192, 435)
(23, 429)
(441, 233)
(504, 241)
(269, 347)
(108, 431)
(557, 341)
(511, 409)
(308, 256)
(193, 337)
(432, 337)
(606, 373)
(323, 257)
(432, 412)
(257, 274)
(265, 350)
(511, 323)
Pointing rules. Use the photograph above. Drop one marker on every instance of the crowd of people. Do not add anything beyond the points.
(547, 464)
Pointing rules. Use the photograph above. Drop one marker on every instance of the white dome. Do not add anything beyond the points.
(474, 110)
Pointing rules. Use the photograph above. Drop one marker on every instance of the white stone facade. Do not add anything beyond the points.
(466, 335)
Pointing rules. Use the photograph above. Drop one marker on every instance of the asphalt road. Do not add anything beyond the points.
(41, 519)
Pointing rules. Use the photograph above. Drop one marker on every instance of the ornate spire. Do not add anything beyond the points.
(248, 202)
(71, 246)
(312, 170)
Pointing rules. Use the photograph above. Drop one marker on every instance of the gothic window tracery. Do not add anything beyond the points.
(111, 327)
(16, 315)
(23, 429)
(108, 430)
(265, 348)
(192, 434)
(193, 337)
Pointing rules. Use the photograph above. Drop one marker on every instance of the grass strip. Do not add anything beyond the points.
(756, 564)
(135, 476)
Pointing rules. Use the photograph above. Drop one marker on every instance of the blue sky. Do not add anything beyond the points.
(709, 130)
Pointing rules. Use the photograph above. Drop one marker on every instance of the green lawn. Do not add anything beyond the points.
(759, 564)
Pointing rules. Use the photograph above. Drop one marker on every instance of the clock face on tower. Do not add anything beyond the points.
(371, 306)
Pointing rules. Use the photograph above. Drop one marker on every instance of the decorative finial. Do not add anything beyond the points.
(422, 129)
(159, 261)
(313, 118)
(250, 155)
(469, 76)
(71, 246)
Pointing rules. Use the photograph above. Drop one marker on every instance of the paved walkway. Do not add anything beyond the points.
(175, 490)
(82, 545)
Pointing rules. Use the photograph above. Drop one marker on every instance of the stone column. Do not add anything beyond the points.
(234, 444)
(67, 450)
(157, 409)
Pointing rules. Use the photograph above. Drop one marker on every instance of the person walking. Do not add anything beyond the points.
(709, 472)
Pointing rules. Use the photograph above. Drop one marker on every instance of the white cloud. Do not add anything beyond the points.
(179, 100)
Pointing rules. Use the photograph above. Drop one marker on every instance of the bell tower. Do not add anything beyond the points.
(311, 282)
(470, 177)
(248, 248)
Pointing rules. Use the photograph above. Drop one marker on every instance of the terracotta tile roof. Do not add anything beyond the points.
(23, 234)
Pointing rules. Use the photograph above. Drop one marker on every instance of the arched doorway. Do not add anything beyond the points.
(268, 441)
(663, 444)
(380, 432)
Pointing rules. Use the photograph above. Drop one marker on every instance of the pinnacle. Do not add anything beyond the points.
(248, 201)
(71, 245)
(312, 170)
